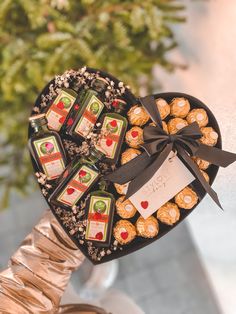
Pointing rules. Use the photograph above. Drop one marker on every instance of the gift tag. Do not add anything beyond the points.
(169, 179)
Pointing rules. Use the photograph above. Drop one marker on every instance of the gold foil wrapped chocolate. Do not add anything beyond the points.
(121, 188)
(176, 124)
(163, 107)
(124, 208)
(164, 126)
(179, 107)
(147, 228)
(129, 154)
(198, 115)
(134, 137)
(205, 175)
(209, 136)
(186, 198)
(39, 270)
(124, 231)
(202, 164)
(169, 213)
(137, 115)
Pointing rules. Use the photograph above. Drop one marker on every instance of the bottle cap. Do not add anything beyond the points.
(119, 104)
(99, 84)
(38, 120)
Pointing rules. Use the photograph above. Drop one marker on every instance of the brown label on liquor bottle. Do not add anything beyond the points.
(111, 131)
(89, 116)
(50, 157)
(98, 218)
(77, 186)
(59, 110)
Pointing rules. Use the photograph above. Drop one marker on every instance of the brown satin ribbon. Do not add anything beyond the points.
(158, 144)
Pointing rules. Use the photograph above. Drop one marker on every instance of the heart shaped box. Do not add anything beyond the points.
(139, 242)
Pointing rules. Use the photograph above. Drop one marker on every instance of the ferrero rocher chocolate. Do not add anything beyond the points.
(137, 115)
(198, 115)
(186, 198)
(174, 125)
(124, 208)
(129, 154)
(164, 126)
(147, 228)
(124, 231)
(179, 107)
(121, 188)
(163, 107)
(209, 137)
(205, 175)
(134, 137)
(168, 213)
(202, 164)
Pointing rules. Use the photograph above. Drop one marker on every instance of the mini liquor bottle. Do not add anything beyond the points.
(100, 212)
(78, 178)
(80, 123)
(46, 148)
(112, 136)
(60, 108)
(119, 105)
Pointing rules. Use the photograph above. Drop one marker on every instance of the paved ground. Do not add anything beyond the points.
(167, 277)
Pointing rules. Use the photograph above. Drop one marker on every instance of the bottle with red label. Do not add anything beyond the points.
(78, 178)
(46, 148)
(100, 212)
(119, 105)
(80, 123)
(60, 108)
(112, 136)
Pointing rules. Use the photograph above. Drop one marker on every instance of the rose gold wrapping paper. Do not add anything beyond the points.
(39, 271)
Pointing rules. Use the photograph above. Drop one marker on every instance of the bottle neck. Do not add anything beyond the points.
(38, 129)
(93, 159)
(95, 156)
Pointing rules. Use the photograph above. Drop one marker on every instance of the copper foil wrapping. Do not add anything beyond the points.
(39, 270)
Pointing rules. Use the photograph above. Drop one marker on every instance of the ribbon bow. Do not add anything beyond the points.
(156, 139)
(157, 146)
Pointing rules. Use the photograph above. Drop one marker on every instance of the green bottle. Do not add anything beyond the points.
(112, 136)
(76, 181)
(119, 105)
(60, 108)
(100, 213)
(80, 123)
(46, 148)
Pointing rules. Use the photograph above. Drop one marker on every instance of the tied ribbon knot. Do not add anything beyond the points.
(156, 139)
(157, 146)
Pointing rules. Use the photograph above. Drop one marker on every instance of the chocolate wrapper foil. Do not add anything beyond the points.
(39, 271)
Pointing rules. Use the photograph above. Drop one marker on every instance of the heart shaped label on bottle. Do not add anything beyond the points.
(94, 125)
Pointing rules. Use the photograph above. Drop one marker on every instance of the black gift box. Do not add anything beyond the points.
(138, 242)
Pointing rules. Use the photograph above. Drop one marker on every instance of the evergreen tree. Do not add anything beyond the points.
(41, 38)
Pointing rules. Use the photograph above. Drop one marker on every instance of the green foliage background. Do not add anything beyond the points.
(41, 38)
